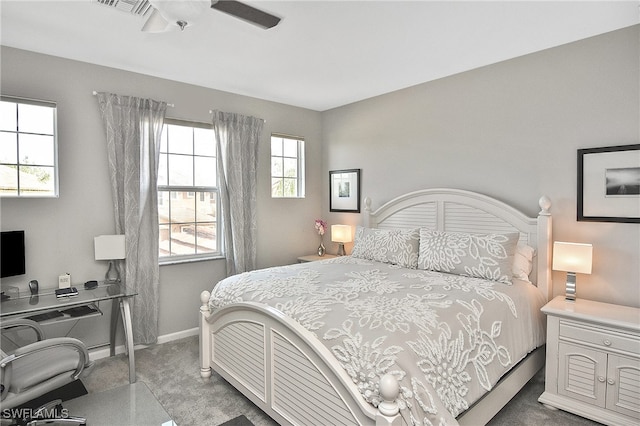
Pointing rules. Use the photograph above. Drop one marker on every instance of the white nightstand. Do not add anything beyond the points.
(314, 257)
(593, 360)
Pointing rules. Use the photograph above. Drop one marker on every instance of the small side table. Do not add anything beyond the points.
(593, 360)
(314, 257)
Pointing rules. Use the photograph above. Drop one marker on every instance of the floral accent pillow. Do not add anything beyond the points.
(396, 246)
(488, 256)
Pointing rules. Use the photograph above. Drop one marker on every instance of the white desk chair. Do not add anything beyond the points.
(40, 367)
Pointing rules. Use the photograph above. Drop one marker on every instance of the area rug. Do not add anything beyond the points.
(65, 393)
(238, 421)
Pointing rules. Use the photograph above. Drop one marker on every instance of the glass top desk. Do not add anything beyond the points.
(46, 300)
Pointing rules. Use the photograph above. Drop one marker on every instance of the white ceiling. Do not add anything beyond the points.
(323, 54)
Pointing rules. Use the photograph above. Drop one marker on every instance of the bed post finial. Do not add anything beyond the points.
(204, 300)
(389, 391)
(545, 204)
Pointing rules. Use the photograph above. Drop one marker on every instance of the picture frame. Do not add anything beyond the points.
(344, 191)
(609, 184)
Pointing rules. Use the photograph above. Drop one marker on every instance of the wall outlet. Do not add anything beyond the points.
(64, 281)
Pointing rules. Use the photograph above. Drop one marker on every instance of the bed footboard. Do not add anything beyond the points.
(275, 364)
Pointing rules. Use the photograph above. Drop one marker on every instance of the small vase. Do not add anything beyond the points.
(321, 249)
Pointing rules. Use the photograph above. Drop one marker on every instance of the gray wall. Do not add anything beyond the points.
(511, 131)
(59, 232)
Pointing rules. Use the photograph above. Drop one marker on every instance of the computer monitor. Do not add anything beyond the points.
(12, 261)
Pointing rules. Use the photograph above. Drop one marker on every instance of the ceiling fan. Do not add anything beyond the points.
(168, 14)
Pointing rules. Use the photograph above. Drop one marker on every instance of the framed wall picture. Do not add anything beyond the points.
(609, 184)
(344, 191)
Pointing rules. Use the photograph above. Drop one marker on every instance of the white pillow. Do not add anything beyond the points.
(523, 261)
(488, 256)
(396, 246)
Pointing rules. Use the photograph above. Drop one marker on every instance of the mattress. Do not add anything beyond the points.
(447, 338)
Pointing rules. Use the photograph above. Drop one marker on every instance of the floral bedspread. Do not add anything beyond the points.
(446, 338)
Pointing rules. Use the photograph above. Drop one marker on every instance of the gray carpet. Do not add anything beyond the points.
(171, 372)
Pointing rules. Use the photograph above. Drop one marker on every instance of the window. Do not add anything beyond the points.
(187, 192)
(28, 148)
(287, 166)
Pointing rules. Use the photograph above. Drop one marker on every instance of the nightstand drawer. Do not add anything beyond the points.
(601, 337)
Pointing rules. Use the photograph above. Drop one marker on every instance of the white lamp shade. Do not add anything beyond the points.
(109, 247)
(341, 233)
(572, 257)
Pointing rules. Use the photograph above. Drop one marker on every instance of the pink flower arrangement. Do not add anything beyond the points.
(321, 226)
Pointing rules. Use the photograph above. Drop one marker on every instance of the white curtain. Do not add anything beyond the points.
(237, 139)
(133, 127)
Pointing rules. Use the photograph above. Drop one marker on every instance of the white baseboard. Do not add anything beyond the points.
(177, 335)
(103, 352)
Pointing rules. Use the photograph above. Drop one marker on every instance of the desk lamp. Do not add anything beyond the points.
(341, 234)
(572, 258)
(110, 247)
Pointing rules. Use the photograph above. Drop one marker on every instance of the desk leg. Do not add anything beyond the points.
(128, 334)
(114, 326)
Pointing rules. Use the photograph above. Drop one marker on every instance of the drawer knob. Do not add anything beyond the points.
(607, 342)
(601, 379)
(611, 381)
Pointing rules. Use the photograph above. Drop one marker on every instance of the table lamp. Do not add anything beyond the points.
(341, 234)
(572, 258)
(110, 247)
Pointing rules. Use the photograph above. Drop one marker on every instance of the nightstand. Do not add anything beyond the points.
(593, 360)
(314, 257)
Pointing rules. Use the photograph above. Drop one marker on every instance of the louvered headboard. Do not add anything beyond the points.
(456, 210)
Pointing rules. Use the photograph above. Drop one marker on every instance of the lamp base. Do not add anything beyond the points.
(570, 288)
(113, 274)
(341, 251)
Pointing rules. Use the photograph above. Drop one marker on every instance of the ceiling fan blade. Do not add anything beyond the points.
(246, 12)
(156, 23)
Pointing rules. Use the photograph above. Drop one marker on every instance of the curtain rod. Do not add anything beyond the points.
(169, 105)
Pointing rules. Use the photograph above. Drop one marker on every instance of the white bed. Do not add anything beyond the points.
(287, 371)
